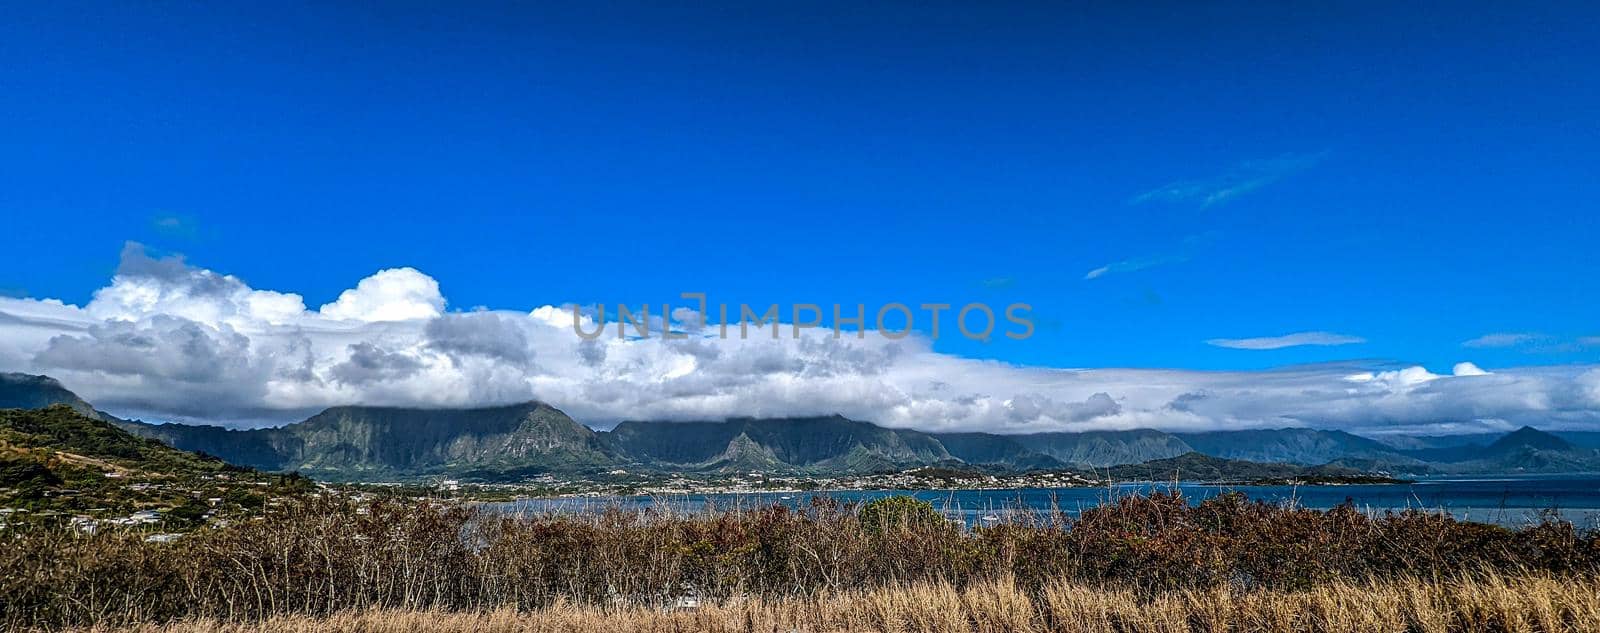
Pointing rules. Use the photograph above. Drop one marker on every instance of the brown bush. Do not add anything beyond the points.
(325, 556)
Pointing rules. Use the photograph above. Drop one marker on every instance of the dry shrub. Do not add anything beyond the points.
(1173, 564)
(1479, 604)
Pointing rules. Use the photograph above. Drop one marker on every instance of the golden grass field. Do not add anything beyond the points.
(1151, 563)
(1485, 603)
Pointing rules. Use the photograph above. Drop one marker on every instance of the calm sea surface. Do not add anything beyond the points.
(1509, 500)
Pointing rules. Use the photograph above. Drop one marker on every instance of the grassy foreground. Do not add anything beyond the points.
(1490, 603)
(1139, 563)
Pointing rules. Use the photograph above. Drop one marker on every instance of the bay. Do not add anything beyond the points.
(1505, 500)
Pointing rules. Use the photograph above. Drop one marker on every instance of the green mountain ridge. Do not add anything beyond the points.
(26, 391)
(1003, 451)
(62, 434)
(1099, 449)
(1199, 467)
(818, 444)
(1306, 447)
(513, 441)
(378, 442)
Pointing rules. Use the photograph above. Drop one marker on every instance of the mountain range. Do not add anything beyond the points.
(512, 441)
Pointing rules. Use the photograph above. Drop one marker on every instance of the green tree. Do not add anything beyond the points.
(898, 513)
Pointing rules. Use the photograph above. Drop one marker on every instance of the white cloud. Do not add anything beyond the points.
(1244, 178)
(1534, 342)
(1134, 265)
(145, 285)
(1287, 340)
(1503, 339)
(169, 341)
(396, 294)
(1183, 253)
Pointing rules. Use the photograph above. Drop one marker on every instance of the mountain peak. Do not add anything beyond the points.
(527, 405)
(1529, 437)
(33, 391)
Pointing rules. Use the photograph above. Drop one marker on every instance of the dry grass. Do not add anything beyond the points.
(1492, 603)
(1153, 563)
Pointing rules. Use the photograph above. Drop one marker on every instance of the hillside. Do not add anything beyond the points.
(1005, 452)
(27, 391)
(1098, 449)
(1293, 446)
(1525, 450)
(1527, 438)
(252, 449)
(514, 442)
(1198, 467)
(1529, 450)
(381, 442)
(66, 435)
(822, 444)
(57, 461)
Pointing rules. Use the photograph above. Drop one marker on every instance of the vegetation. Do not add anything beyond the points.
(1227, 556)
(67, 432)
(1198, 467)
(516, 443)
(899, 513)
(1486, 604)
(57, 464)
(209, 546)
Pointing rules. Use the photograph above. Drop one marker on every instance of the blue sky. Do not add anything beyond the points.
(1412, 176)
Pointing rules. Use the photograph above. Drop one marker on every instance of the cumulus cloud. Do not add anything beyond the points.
(369, 363)
(167, 340)
(163, 345)
(1288, 340)
(482, 334)
(396, 294)
(1030, 407)
(145, 286)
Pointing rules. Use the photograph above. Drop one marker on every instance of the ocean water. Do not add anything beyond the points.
(1508, 500)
